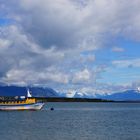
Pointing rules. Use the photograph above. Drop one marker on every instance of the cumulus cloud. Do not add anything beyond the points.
(64, 24)
(27, 77)
(21, 59)
(53, 41)
(81, 76)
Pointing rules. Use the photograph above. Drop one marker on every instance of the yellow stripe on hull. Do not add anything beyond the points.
(35, 106)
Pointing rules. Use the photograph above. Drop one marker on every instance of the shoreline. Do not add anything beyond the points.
(64, 99)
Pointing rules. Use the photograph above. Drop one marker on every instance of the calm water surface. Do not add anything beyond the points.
(73, 121)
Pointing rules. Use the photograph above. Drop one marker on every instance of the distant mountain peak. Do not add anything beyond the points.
(22, 91)
(138, 89)
(124, 95)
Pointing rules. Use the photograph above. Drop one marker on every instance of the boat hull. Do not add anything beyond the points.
(34, 106)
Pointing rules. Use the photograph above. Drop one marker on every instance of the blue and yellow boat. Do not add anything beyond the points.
(24, 103)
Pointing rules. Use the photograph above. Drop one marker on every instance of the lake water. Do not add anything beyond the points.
(73, 121)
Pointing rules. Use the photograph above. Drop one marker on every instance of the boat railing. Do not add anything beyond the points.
(19, 101)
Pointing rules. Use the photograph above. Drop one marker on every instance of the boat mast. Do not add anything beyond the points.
(28, 93)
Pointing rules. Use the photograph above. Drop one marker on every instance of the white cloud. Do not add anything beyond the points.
(64, 24)
(117, 49)
(127, 63)
(26, 77)
(81, 76)
(46, 42)
(23, 61)
(4, 44)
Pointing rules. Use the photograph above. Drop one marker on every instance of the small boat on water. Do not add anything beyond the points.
(22, 103)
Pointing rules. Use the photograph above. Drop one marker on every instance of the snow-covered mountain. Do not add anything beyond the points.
(75, 94)
(133, 95)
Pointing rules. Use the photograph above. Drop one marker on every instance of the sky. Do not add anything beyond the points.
(89, 46)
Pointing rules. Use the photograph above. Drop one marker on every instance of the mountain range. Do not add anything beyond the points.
(133, 95)
(129, 95)
(22, 91)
